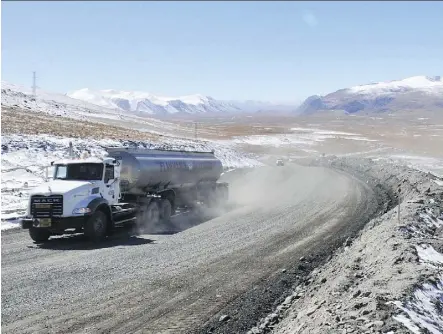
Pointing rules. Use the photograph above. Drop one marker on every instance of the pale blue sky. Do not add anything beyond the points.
(275, 51)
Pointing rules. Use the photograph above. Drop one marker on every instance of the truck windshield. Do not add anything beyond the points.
(87, 172)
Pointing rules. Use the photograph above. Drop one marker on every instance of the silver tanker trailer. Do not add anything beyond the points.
(129, 185)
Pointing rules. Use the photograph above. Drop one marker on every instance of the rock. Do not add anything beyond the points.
(224, 317)
(273, 317)
(378, 324)
(311, 311)
(283, 270)
(323, 280)
(302, 258)
(356, 294)
(288, 300)
(370, 325)
(358, 306)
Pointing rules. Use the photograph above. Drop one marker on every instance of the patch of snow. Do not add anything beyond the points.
(304, 137)
(421, 311)
(324, 132)
(428, 254)
(360, 139)
(8, 224)
(418, 83)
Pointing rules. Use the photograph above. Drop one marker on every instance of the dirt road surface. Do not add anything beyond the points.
(233, 267)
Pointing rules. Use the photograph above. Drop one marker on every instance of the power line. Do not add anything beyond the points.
(195, 130)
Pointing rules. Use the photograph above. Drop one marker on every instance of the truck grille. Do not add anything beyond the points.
(46, 206)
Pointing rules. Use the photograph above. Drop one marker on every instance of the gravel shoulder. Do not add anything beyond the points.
(237, 265)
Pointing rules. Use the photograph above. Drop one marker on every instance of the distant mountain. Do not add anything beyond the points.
(419, 92)
(159, 105)
(264, 107)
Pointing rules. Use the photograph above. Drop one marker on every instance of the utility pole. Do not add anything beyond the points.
(399, 202)
(34, 84)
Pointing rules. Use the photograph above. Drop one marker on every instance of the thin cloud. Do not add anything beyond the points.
(310, 19)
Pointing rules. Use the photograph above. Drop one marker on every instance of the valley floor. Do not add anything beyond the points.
(385, 277)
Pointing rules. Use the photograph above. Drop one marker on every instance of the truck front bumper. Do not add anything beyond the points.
(55, 224)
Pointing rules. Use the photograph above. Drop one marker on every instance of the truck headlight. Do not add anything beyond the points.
(81, 211)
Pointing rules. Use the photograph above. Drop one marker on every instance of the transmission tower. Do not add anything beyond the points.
(34, 84)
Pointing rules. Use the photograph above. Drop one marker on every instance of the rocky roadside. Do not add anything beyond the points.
(389, 279)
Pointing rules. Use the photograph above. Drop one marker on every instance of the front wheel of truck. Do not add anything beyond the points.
(96, 226)
(39, 234)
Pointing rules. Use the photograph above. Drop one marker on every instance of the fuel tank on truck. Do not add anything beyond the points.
(144, 170)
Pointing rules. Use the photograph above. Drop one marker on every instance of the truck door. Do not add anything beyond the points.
(111, 183)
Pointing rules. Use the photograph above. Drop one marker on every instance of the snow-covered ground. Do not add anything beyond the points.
(25, 158)
(302, 137)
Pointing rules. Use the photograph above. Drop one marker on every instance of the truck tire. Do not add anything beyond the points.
(148, 218)
(165, 210)
(39, 234)
(152, 214)
(96, 226)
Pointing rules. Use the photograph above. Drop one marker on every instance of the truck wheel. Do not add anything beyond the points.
(165, 210)
(96, 226)
(39, 234)
(152, 214)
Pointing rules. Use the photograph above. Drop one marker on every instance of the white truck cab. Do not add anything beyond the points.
(77, 188)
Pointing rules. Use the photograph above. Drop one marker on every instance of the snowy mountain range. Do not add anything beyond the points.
(151, 104)
(419, 92)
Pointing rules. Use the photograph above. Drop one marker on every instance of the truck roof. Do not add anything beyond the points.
(78, 161)
(153, 151)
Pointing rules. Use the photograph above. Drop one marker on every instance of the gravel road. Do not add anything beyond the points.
(233, 267)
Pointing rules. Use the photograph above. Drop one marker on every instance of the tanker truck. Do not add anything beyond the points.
(142, 186)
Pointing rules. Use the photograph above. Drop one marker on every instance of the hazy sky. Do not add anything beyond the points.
(275, 51)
